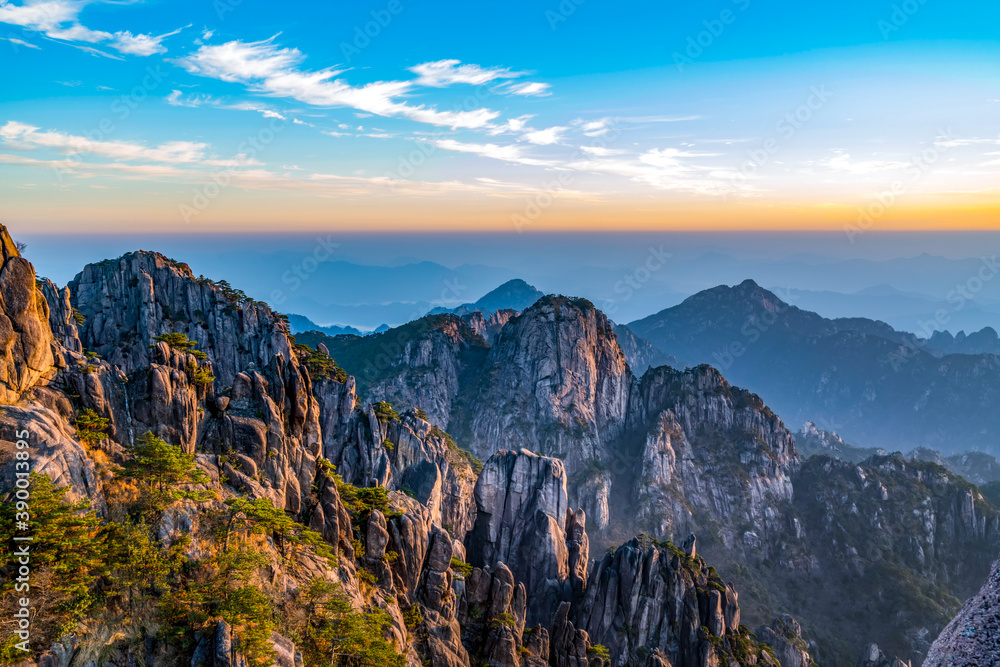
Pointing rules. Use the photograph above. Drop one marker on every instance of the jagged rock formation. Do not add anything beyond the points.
(784, 636)
(127, 302)
(260, 426)
(488, 325)
(972, 639)
(671, 453)
(647, 599)
(524, 522)
(689, 452)
(873, 657)
(25, 338)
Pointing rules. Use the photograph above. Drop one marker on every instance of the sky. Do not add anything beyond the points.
(242, 116)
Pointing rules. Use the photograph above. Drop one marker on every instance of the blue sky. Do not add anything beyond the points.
(228, 115)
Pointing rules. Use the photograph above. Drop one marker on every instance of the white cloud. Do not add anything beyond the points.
(40, 15)
(529, 89)
(140, 45)
(595, 128)
(20, 42)
(59, 19)
(601, 151)
(272, 70)
(177, 99)
(509, 153)
(28, 137)
(546, 137)
(842, 162)
(441, 73)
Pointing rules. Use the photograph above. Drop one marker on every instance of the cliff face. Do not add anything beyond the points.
(556, 378)
(129, 301)
(973, 637)
(26, 354)
(675, 452)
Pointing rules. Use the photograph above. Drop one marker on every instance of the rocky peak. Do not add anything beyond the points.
(523, 520)
(26, 340)
(127, 302)
(557, 378)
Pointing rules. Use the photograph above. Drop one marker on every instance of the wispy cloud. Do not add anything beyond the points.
(529, 89)
(269, 69)
(20, 42)
(59, 20)
(509, 153)
(140, 45)
(842, 162)
(441, 73)
(21, 136)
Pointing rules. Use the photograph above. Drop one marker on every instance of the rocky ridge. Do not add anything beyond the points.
(262, 422)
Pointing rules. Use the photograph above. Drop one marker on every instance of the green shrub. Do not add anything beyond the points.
(460, 567)
(384, 412)
(91, 428)
(161, 470)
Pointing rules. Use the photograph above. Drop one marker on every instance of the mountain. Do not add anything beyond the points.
(640, 353)
(207, 491)
(905, 311)
(301, 324)
(515, 295)
(984, 341)
(675, 452)
(512, 295)
(876, 386)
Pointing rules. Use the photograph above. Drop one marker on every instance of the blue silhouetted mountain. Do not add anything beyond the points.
(877, 386)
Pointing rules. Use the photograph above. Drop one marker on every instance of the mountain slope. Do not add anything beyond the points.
(221, 534)
(877, 386)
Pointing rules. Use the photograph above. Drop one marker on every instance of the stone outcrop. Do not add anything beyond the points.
(648, 598)
(26, 341)
(558, 380)
(872, 656)
(523, 522)
(972, 639)
(784, 636)
(127, 302)
(489, 325)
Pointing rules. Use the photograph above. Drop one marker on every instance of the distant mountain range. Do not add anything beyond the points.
(877, 386)
(513, 294)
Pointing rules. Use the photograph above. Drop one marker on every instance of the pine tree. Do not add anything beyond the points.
(67, 552)
(161, 469)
